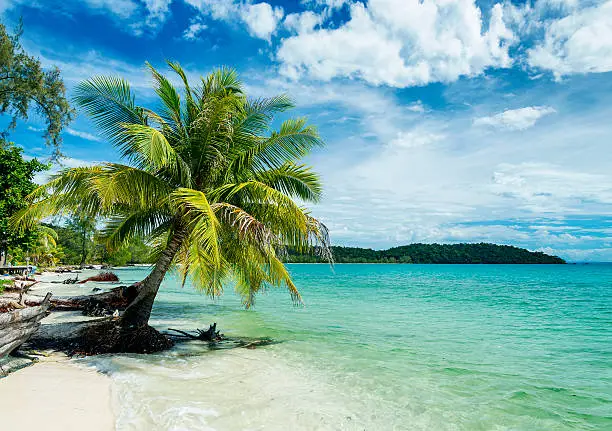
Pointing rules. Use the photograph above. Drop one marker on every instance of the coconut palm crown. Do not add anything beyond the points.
(206, 181)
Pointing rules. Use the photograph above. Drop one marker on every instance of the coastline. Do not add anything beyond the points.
(56, 394)
(49, 394)
(324, 374)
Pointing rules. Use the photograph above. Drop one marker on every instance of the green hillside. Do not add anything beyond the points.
(434, 253)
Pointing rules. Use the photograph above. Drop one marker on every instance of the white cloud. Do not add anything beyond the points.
(544, 187)
(261, 19)
(414, 138)
(193, 31)
(402, 43)
(515, 119)
(302, 22)
(83, 135)
(416, 107)
(157, 11)
(578, 43)
(217, 9)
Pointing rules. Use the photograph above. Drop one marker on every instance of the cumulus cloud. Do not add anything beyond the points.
(157, 11)
(302, 22)
(402, 43)
(578, 43)
(261, 19)
(515, 119)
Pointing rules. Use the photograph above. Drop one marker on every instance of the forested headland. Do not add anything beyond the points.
(480, 253)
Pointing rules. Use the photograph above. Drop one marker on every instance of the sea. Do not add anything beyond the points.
(382, 347)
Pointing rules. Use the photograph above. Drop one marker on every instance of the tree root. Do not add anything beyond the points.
(98, 337)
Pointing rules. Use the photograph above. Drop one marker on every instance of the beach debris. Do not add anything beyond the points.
(18, 325)
(116, 314)
(102, 276)
(209, 335)
(71, 280)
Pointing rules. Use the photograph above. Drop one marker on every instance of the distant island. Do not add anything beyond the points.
(481, 253)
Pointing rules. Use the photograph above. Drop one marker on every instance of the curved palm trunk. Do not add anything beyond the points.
(138, 312)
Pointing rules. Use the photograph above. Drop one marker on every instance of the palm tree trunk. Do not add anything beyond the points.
(138, 312)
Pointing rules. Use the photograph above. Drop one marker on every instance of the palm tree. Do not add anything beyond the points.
(45, 251)
(206, 181)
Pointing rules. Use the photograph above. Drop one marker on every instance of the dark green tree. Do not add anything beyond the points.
(16, 182)
(26, 87)
(84, 229)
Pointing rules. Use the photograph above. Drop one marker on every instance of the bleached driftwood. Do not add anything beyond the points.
(19, 325)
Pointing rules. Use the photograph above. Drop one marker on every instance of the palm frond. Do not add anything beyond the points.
(109, 102)
(298, 181)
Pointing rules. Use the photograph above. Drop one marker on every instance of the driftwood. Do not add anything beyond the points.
(210, 335)
(74, 280)
(19, 325)
(102, 276)
(219, 341)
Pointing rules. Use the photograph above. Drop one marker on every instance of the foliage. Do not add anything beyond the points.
(16, 175)
(4, 284)
(433, 253)
(207, 181)
(70, 248)
(84, 228)
(25, 85)
(45, 251)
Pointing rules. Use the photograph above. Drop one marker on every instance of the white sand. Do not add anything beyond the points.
(56, 394)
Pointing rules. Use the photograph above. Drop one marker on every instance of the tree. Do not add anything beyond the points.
(45, 252)
(83, 228)
(207, 182)
(16, 182)
(25, 85)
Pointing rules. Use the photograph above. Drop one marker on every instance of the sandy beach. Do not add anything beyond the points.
(56, 394)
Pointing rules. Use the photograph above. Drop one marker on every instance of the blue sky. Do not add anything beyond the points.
(445, 120)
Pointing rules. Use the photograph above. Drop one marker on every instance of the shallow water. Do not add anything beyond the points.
(419, 347)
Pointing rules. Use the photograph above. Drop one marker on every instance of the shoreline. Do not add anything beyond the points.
(57, 394)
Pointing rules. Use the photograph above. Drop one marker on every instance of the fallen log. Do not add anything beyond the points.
(102, 276)
(17, 326)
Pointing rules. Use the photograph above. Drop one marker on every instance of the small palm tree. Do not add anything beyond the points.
(45, 251)
(206, 181)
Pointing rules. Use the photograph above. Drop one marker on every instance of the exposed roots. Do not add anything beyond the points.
(101, 336)
(113, 337)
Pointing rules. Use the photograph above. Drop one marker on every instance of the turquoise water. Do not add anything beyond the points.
(433, 347)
